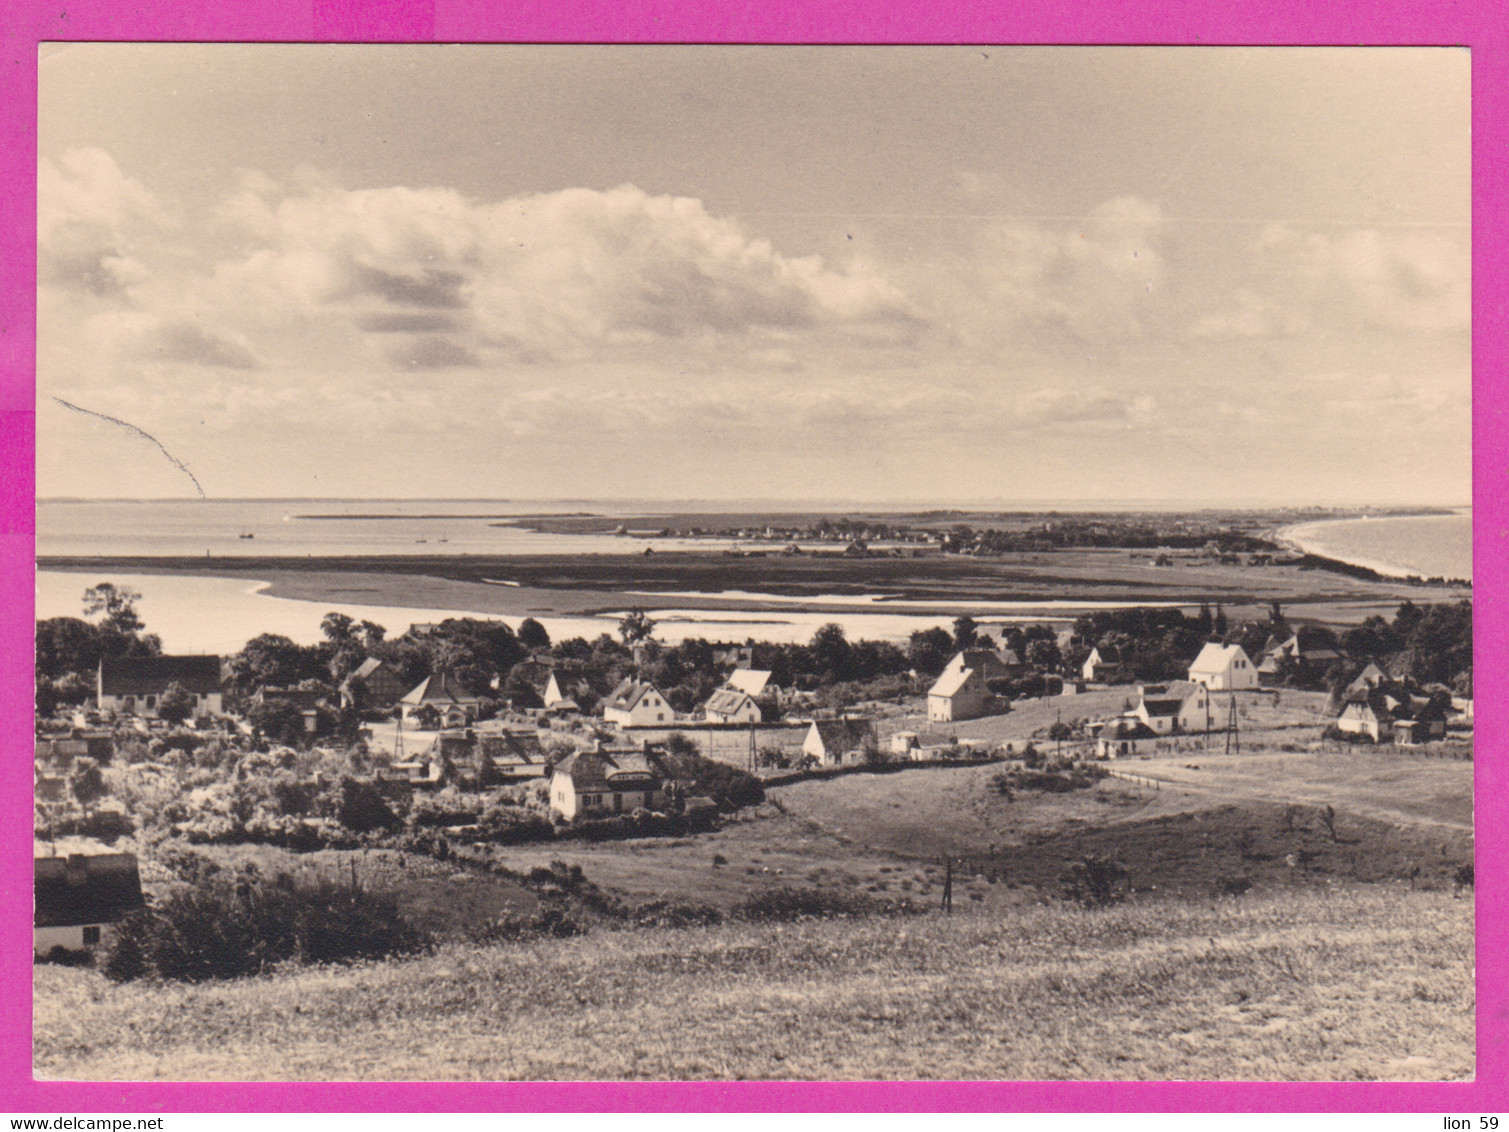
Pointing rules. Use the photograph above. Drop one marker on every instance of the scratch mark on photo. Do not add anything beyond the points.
(172, 459)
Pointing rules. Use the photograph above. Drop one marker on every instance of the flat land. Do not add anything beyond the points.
(565, 585)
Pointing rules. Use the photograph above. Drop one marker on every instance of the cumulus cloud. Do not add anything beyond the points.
(563, 274)
(1399, 281)
(89, 214)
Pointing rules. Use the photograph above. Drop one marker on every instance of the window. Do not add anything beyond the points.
(151, 701)
(91, 935)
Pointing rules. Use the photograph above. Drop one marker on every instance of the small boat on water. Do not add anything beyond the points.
(247, 534)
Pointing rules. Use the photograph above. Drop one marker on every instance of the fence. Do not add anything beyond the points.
(1136, 779)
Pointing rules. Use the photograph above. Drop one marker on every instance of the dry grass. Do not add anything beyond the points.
(1364, 983)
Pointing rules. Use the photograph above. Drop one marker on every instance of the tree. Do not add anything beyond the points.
(1221, 624)
(176, 704)
(966, 633)
(532, 634)
(338, 628)
(1044, 656)
(372, 633)
(830, 651)
(117, 603)
(635, 626)
(928, 650)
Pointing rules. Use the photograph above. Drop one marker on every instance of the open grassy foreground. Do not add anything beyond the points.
(1365, 982)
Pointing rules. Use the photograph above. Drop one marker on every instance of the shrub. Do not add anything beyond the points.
(789, 904)
(1097, 882)
(362, 808)
(228, 926)
(671, 914)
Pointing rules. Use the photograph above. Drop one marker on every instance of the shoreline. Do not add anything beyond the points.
(1300, 537)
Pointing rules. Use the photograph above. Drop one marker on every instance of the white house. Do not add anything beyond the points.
(1103, 665)
(1223, 668)
(1369, 712)
(1124, 737)
(833, 742)
(1183, 706)
(730, 705)
(134, 685)
(960, 693)
(600, 784)
(81, 889)
(635, 704)
(989, 664)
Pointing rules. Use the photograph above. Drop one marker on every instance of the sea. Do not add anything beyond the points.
(1430, 546)
(218, 615)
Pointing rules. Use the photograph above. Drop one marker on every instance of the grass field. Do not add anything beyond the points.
(1364, 983)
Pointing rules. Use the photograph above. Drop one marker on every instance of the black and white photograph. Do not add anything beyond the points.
(753, 563)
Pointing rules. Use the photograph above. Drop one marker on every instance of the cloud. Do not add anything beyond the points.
(431, 353)
(89, 215)
(1357, 279)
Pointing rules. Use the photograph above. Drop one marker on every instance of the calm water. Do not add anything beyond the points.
(1430, 546)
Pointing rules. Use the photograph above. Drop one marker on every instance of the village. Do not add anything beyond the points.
(509, 739)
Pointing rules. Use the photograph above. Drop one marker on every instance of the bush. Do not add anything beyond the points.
(789, 904)
(1097, 882)
(228, 926)
(671, 914)
(362, 808)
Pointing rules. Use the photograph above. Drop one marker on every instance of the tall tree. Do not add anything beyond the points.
(635, 626)
(966, 632)
(117, 603)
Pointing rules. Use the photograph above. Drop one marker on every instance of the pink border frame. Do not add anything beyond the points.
(1479, 24)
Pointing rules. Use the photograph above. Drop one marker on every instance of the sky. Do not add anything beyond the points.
(956, 274)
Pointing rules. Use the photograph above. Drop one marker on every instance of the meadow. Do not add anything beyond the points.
(1337, 983)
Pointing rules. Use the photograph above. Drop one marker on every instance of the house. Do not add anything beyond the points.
(600, 783)
(482, 758)
(1307, 653)
(80, 743)
(1419, 721)
(734, 656)
(1122, 737)
(730, 705)
(380, 685)
(1370, 677)
(924, 746)
(1223, 668)
(1182, 706)
(1369, 712)
(834, 742)
(1103, 665)
(81, 889)
(990, 665)
(960, 693)
(637, 704)
(134, 685)
(445, 694)
(755, 681)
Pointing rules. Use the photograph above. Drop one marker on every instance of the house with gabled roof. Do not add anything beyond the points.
(81, 890)
(600, 784)
(1103, 665)
(989, 664)
(960, 693)
(637, 704)
(447, 695)
(838, 742)
(1122, 737)
(134, 685)
(1370, 677)
(1223, 668)
(1370, 712)
(381, 686)
(1183, 706)
(731, 705)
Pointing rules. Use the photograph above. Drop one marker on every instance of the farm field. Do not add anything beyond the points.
(1352, 983)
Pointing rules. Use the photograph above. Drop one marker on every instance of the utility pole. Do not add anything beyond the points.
(1233, 740)
(948, 886)
(398, 739)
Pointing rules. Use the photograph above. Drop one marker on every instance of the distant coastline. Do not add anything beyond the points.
(1320, 539)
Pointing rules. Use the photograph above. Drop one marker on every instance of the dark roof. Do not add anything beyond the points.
(844, 734)
(441, 689)
(512, 747)
(81, 889)
(595, 770)
(1162, 707)
(628, 694)
(150, 675)
(1128, 729)
(1109, 654)
(726, 701)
